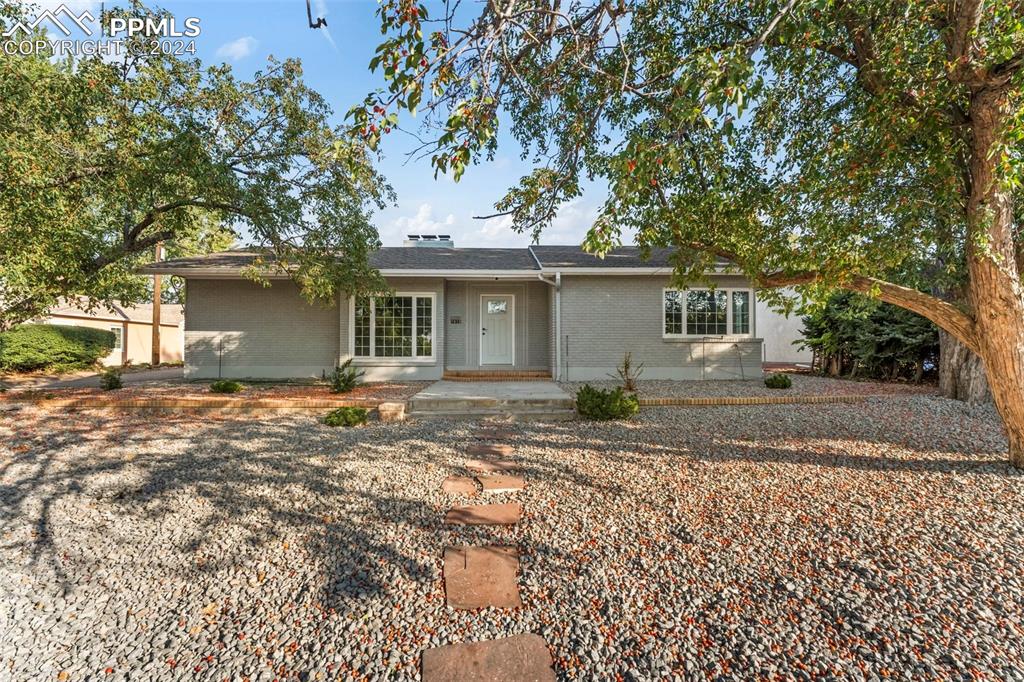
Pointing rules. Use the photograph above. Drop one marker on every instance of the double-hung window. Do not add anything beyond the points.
(399, 326)
(706, 312)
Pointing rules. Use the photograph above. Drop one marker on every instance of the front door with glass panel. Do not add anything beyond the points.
(497, 329)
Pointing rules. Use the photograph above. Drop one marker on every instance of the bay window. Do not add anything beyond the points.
(399, 326)
(706, 312)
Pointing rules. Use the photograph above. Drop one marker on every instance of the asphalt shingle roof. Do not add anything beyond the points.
(438, 258)
(621, 257)
(170, 313)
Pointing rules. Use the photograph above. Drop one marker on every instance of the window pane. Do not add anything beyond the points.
(741, 312)
(392, 333)
(424, 327)
(118, 339)
(497, 307)
(706, 313)
(673, 312)
(362, 327)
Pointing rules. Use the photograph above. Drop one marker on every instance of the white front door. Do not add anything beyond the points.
(497, 329)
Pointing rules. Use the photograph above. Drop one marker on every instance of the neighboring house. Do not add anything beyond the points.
(779, 333)
(551, 309)
(132, 327)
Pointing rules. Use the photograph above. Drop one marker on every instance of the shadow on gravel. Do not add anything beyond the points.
(256, 499)
(828, 436)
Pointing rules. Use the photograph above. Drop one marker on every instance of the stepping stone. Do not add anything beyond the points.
(485, 515)
(478, 577)
(459, 485)
(493, 435)
(491, 466)
(523, 658)
(489, 450)
(501, 483)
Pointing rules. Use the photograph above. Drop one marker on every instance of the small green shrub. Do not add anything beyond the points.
(628, 373)
(345, 377)
(34, 347)
(778, 380)
(110, 380)
(346, 416)
(226, 386)
(594, 403)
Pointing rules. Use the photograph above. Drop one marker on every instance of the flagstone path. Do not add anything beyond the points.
(510, 659)
(485, 515)
(501, 483)
(487, 576)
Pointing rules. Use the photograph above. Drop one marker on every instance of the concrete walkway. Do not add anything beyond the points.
(492, 390)
(92, 379)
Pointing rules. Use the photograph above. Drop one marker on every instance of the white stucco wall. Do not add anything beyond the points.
(779, 332)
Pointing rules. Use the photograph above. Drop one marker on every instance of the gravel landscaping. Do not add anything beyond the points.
(881, 539)
(803, 384)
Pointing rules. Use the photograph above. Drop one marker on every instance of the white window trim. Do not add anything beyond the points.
(414, 360)
(118, 332)
(728, 314)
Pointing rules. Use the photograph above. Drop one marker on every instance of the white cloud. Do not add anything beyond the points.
(496, 231)
(237, 49)
(423, 222)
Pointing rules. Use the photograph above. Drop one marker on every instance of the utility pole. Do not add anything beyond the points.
(156, 309)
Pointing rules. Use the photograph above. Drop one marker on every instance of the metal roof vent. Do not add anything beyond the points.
(437, 240)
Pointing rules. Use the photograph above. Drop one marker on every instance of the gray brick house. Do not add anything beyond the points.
(547, 309)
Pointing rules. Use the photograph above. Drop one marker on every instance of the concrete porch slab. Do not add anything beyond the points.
(492, 390)
(513, 400)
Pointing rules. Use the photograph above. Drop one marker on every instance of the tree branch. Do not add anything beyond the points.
(943, 314)
(965, 19)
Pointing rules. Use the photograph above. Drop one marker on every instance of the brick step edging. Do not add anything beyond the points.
(198, 403)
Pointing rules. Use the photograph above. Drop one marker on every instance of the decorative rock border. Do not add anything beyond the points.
(754, 400)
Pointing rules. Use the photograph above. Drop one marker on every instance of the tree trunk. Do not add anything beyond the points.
(995, 290)
(961, 372)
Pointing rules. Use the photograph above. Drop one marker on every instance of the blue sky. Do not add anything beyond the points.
(244, 32)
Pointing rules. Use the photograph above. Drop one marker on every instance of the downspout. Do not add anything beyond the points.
(558, 326)
(557, 284)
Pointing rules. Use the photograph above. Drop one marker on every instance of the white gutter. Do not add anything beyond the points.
(632, 271)
(234, 273)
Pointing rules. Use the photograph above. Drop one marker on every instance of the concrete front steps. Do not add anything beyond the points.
(519, 409)
(496, 375)
(516, 400)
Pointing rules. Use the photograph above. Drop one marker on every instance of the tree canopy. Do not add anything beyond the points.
(815, 143)
(102, 159)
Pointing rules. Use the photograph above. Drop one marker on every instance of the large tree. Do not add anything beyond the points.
(101, 159)
(816, 143)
